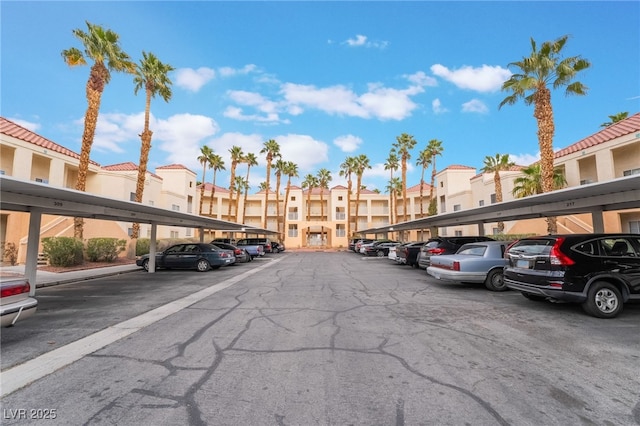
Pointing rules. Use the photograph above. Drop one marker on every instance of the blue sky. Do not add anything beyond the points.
(326, 80)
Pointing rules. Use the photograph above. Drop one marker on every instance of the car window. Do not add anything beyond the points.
(533, 247)
(175, 249)
(472, 250)
(617, 247)
(588, 247)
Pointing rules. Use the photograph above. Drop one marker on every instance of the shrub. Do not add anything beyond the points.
(142, 246)
(106, 249)
(62, 251)
(10, 253)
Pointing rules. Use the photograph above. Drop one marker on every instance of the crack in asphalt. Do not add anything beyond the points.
(188, 399)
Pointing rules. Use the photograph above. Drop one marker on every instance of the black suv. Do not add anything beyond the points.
(600, 271)
(444, 245)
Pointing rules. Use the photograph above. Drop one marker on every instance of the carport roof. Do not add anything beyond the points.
(27, 196)
(619, 194)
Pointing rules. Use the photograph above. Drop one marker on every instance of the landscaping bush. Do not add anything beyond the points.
(62, 251)
(10, 253)
(104, 249)
(142, 246)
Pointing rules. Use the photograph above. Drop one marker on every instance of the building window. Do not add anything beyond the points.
(191, 184)
(441, 184)
(42, 180)
(129, 231)
(495, 231)
(293, 213)
(175, 207)
(458, 233)
(151, 202)
(631, 172)
(188, 231)
(481, 203)
(493, 198)
(293, 231)
(174, 234)
(634, 226)
(457, 207)
(339, 197)
(132, 196)
(341, 231)
(293, 198)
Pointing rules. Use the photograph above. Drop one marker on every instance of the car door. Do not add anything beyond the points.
(623, 258)
(172, 257)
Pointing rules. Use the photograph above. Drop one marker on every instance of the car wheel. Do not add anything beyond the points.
(533, 297)
(495, 281)
(603, 300)
(145, 265)
(380, 253)
(203, 265)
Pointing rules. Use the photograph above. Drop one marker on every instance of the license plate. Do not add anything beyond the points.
(522, 263)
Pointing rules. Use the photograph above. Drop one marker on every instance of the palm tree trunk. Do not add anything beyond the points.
(543, 112)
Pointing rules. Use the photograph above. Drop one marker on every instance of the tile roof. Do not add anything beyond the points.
(207, 188)
(175, 167)
(416, 188)
(126, 167)
(12, 129)
(621, 128)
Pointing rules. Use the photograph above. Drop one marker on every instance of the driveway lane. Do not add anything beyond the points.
(329, 338)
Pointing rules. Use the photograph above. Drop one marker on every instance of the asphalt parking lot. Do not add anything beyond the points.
(320, 338)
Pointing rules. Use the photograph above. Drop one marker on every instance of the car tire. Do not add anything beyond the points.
(533, 297)
(145, 265)
(380, 253)
(203, 265)
(604, 300)
(495, 281)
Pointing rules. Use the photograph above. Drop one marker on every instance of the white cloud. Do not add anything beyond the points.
(437, 107)
(475, 105)
(230, 72)
(193, 80)
(484, 79)
(303, 150)
(26, 124)
(524, 159)
(363, 41)
(348, 143)
(421, 79)
(379, 102)
(181, 137)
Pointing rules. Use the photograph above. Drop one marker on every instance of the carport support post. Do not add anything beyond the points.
(152, 248)
(598, 221)
(33, 243)
(481, 229)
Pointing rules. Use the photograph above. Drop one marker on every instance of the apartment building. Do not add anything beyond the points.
(316, 218)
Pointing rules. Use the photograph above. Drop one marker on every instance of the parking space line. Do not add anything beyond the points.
(37, 368)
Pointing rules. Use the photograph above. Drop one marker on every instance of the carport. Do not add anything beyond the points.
(38, 199)
(595, 198)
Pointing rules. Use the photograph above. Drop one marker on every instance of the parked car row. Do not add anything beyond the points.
(601, 272)
(206, 256)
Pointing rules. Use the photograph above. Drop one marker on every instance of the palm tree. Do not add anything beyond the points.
(102, 47)
(204, 159)
(152, 75)
(395, 188)
(531, 182)
(392, 164)
(242, 186)
(323, 177)
(347, 169)
(309, 182)
(362, 163)
(216, 163)
(291, 170)
(615, 118)
(404, 143)
(251, 161)
(495, 165)
(542, 68)
(424, 160)
(434, 147)
(236, 157)
(272, 150)
(280, 166)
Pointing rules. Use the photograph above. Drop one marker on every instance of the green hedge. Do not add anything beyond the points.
(104, 249)
(63, 251)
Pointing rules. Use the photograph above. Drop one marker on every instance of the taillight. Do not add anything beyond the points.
(238, 251)
(556, 257)
(15, 289)
(436, 251)
(456, 266)
(406, 252)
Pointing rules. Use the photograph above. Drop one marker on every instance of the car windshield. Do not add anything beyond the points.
(537, 246)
